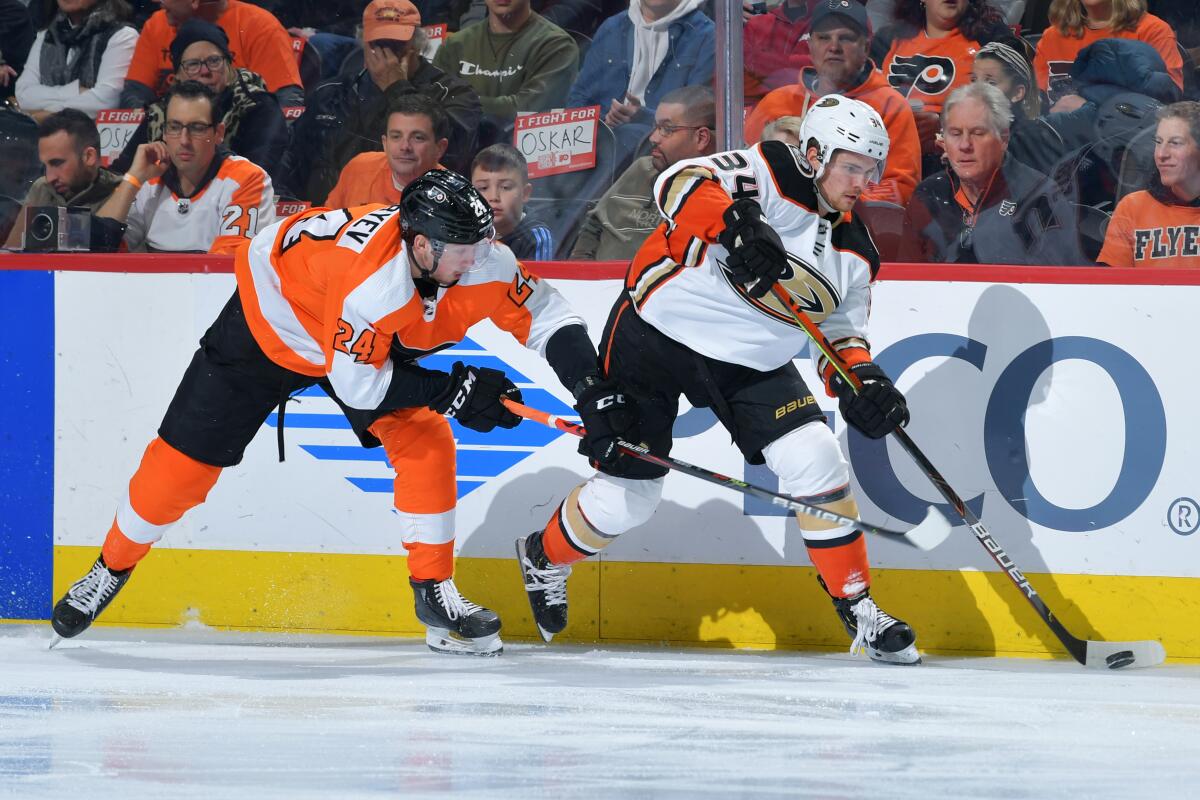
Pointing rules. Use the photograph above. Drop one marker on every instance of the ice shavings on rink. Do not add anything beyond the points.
(202, 714)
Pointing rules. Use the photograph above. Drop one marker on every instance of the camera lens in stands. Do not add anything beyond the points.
(42, 227)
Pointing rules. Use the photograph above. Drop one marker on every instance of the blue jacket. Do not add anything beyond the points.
(1109, 66)
(609, 61)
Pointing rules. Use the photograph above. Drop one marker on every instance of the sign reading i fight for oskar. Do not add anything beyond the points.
(116, 126)
(558, 141)
(435, 35)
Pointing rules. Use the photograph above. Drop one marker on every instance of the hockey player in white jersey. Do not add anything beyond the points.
(697, 318)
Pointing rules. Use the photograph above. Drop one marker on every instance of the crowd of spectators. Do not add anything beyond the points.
(1066, 133)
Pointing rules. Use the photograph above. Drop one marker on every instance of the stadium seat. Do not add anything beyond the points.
(1093, 223)
(885, 221)
(308, 60)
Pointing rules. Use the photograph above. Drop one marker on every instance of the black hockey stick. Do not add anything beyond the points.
(1090, 653)
(932, 531)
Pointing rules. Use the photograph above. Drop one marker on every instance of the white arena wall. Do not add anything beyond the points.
(1058, 402)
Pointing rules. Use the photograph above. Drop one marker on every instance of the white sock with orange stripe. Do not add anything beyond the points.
(166, 485)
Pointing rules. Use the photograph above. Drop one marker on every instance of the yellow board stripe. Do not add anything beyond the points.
(768, 607)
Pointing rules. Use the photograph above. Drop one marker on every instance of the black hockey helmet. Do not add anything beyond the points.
(445, 207)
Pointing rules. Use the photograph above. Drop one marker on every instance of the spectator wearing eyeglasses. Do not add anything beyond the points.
(254, 125)
(987, 207)
(78, 60)
(684, 127)
(184, 193)
(256, 39)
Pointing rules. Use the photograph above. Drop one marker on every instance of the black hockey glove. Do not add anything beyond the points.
(608, 413)
(473, 398)
(757, 257)
(876, 409)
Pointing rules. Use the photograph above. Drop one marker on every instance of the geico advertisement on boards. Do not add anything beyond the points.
(1061, 413)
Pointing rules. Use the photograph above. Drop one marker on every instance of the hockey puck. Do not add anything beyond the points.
(1121, 659)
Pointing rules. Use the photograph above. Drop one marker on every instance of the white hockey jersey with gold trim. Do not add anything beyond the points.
(678, 286)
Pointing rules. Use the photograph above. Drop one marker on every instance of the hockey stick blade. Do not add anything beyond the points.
(1104, 655)
(932, 531)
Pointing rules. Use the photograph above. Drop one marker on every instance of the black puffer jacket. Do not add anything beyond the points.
(1023, 219)
(348, 116)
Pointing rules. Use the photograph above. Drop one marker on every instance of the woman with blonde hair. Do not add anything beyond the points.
(1075, 24)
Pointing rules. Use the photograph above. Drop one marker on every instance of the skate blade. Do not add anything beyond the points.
(908, 657)
(546, 635)
(54, 641)
(441, 640)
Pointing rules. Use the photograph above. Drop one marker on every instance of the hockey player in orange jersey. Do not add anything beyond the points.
(697, 318)
(349, 299)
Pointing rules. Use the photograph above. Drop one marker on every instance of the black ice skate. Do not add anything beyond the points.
(86, 598)
(453, 624)
(883, 637)
(546, 585)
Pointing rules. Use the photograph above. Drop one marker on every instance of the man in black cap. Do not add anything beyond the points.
(254, 125)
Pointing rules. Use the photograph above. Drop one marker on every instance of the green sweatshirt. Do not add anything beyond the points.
(530, 70)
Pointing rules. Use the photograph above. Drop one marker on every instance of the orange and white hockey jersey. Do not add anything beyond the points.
(326, 291)
(677, 283)
(928, 69)
(231, 207)
(1147, 232)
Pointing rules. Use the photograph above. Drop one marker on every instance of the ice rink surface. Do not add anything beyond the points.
(199, 714)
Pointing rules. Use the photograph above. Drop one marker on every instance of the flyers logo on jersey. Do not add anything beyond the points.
(927, 74)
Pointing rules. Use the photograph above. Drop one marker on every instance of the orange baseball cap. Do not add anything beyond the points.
(390, 19)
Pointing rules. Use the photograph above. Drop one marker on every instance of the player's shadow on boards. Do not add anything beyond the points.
(978, 442)
(683, 577)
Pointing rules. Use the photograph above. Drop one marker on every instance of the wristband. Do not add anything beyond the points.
(132, 181)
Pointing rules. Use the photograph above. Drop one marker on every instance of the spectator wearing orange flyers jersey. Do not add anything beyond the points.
(415, 140)
(1075, 24)
(186, 194)
(927, 53)
(256, 39)
(838, 41)
(1160, 226)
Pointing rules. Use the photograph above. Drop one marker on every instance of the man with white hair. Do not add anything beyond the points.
(698, 318)
(987, 207)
